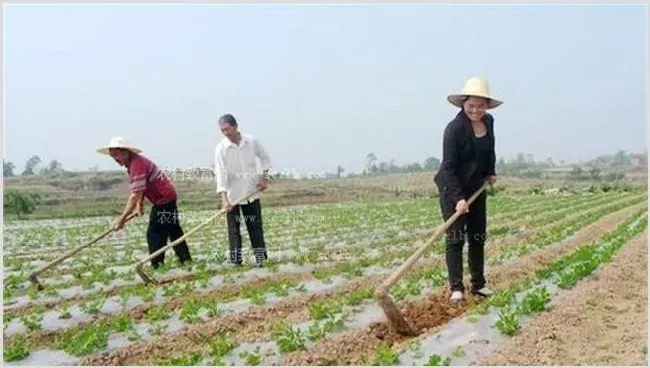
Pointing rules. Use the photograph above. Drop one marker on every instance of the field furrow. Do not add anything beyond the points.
(258, 329)
(312, 303)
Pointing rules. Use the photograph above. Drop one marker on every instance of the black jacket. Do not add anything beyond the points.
(459, 157)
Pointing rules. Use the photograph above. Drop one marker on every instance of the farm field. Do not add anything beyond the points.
(555, 260)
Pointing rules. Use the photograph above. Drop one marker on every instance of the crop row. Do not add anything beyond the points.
(94, 276)
(327, 326)
(393, 253)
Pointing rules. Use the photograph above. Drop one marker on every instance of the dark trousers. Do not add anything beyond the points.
(164, 224)
(252, 217)
(471, 227)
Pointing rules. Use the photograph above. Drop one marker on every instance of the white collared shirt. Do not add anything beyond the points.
(235, 167)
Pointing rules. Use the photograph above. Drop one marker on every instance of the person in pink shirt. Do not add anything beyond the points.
(148, 181)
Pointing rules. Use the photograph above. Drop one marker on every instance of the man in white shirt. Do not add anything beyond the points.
(237, 175)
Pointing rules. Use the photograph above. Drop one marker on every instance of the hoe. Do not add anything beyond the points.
(138, 266)
(394, 316)
(33, 277)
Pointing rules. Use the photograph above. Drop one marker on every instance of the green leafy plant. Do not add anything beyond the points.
(190, 311)
(86, 341)
(287, 338)
(508, 322)
(182, 360)
(535, 301)
(437, 360)
(251, 358)
(158, 313)
(32, 321)
(385, 355)
(17, 349)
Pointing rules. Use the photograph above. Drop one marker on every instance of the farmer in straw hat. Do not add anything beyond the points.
(468, 161)
(148, 181)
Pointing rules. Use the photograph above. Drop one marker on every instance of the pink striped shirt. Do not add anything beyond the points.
(147, 178)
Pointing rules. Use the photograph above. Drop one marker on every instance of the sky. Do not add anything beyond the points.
(319, 85)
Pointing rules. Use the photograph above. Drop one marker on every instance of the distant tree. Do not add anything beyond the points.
(594, 173)
(413, 167)
(620, 158)
(53, 168)
(431, 164)
(576, 173)
(30, 165)
(371, 163)
(8, 169)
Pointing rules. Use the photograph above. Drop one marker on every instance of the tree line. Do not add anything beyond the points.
(32, 167)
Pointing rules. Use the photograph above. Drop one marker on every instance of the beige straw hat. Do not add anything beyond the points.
(118, 142)
(477, 87)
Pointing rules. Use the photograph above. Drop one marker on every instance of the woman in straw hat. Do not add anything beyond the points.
(148, 181)
(468, 161)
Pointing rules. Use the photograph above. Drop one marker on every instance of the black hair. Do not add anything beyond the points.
(228, 118)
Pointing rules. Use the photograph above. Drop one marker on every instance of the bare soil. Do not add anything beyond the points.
(601, 321)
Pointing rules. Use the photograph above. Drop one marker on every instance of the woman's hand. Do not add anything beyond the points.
(462, 206)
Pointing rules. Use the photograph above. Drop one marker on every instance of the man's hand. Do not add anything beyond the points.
(263, 184)
(226, 205)
(462, 206)
(119, 223)
(492, 179)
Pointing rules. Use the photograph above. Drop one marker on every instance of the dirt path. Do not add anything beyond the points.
(602, 321)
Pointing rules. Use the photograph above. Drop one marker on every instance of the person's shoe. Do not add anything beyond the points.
(456, 296)
(485, 292)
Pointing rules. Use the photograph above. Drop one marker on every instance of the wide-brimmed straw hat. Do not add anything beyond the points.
(477, 87)
(118, 142)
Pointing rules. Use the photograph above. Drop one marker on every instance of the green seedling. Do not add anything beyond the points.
(123, 323)
(190, 311)
(90, 339)
(146, 292)
(251, 358)
(64, 310)
(182, 360)
(535, 301)
(385, 355)
(357, 297)
(17, 349)
(508, 323)
(220, 345)
(158, 313)
(172, 289)
(287, 338)
(93, 304)
(124, 297)
(212, 305)
(158, 328)
(458, 352)
(437, 360)
(323, 309)
(414, 347)
(255, 295)
(32, 321)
